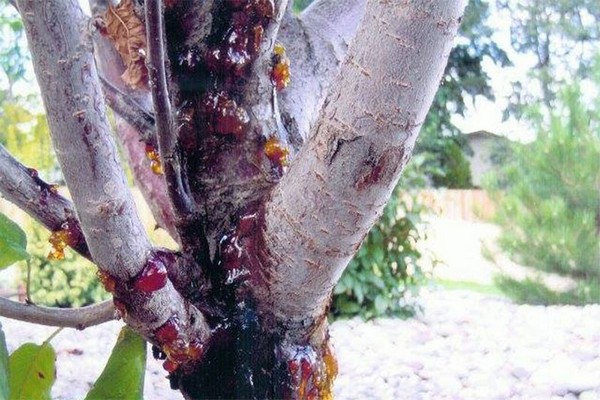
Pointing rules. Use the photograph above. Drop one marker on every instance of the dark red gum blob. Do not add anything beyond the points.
(222, 115)
(168, 332)
(230, 252)
(153, 276)
(32, 172)
(170, 366)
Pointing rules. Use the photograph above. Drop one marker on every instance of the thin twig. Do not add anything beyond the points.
(158, 77)
(166, 136)
(28, 286)
(53, 335)
(79, 318)
(22, 187)
(130, 110)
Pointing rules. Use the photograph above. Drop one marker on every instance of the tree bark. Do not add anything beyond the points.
(64, 65)
(269, 190)
(320, 212)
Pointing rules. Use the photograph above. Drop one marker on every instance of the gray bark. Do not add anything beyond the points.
(337, 186)
(78, 318)
(278, 241)
(64, 65)
(22, 187)
(81, 135)
(316, 42)
(152, 186)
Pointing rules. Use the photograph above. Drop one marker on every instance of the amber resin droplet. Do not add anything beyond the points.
(107, 281)
(156, 167)
(280, 75)
(68, 235)
(154, 157)
(275, 152)
(330, 371)
(56, 255)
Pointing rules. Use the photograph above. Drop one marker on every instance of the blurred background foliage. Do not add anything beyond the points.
(548, 199)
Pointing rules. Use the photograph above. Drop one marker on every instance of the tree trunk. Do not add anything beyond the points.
(269, 185)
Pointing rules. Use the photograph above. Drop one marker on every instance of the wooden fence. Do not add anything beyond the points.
(468, 205)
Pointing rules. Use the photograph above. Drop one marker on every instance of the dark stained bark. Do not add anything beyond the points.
(268, 190)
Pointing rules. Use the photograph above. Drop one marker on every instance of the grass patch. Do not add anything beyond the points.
(530, 291)
(489, 289)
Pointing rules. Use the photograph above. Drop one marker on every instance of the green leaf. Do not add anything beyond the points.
(32, 372)
(381, 304)
(13, 242)
(4, 388)
(123, 375)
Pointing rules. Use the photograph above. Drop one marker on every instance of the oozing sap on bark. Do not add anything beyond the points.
(248, 351)
(224, 148)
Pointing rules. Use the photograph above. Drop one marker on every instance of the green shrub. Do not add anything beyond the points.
(71, 282)
(454, 166)
(548, 201)
(386, 270)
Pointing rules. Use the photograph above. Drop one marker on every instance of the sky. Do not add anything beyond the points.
(485, 114)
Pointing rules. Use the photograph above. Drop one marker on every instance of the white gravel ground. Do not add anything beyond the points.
(464, 346)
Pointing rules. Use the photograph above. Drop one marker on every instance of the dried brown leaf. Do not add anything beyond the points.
(128, 34)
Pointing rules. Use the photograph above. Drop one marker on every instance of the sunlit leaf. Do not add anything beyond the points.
(32, 372)
(13, 242)
(127, 366)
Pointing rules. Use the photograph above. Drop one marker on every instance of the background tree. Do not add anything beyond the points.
(464, 79)
(547, 194)
(268, 190)
(562, 38)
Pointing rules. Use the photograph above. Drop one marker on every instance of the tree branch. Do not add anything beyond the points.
(22, 187)
(338, 184)
(316, 42)
(132, 112)
(152, 186)
(78, 318)
(88, 156)
(177, 184)
(81, 135)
